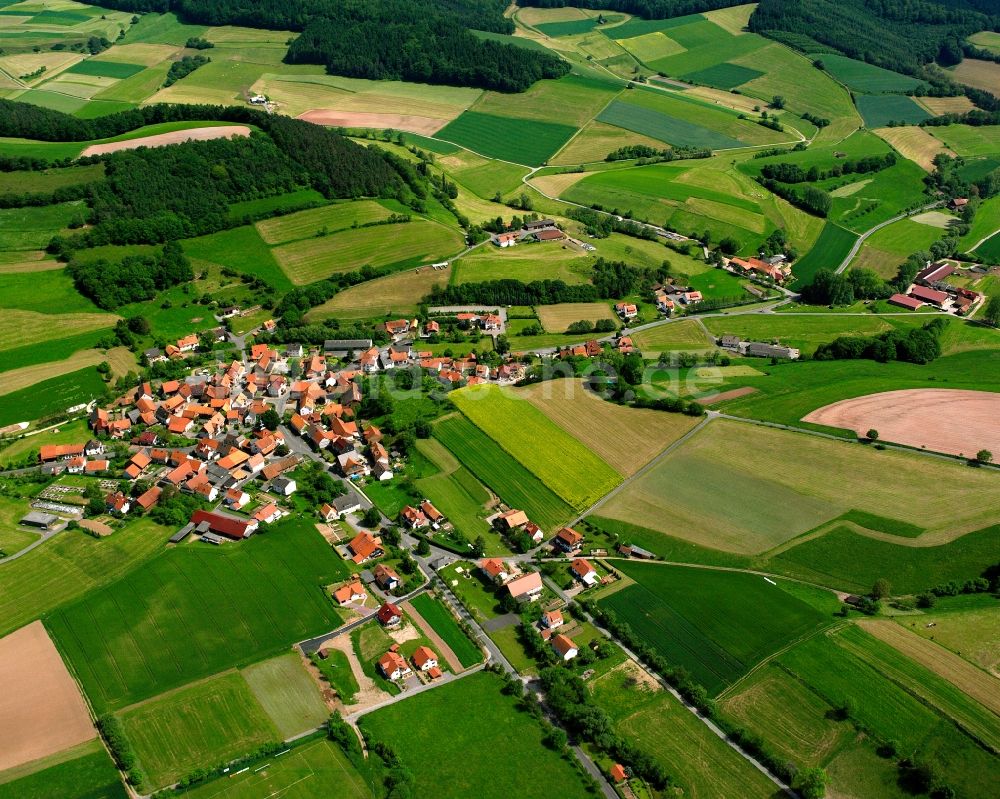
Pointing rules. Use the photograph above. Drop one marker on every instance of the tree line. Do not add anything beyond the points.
(902, 35)
(418, 40)
(918, 345)
(793, 173)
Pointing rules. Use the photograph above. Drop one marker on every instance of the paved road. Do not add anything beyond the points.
(861, 239)
(41, 540)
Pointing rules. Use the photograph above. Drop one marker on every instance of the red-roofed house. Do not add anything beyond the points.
(386, 577)
(424, 658)
(568, 539)
(617, 773)
(626, 310)
(584, 571)
(527, 588)
(389, 615)
(496, 570)
(364, 546)
(236, 529)
(564, 646)
(392, 665)
(350, 593)
(148, 499)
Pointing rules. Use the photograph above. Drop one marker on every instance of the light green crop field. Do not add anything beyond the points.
(716, 624)
(85, 770)
(560, 461)
(557, 318)
(904, 237)
(49, 179)
(287, 694)
(487, 755)
(199, 726)
(71, 564)
(444, 624)
(972, 631)
(774, 705)
(51, 293)
(525, 262)
(264, 594)
(316, 770)
(496, 468)
(394, 295)
(745, 489)
(571, 100)
(701, 763)
(412, 244)
(806, 332)
(968, 140)
(242, 249)
(31, 228)
(684, 335)
(331, 218)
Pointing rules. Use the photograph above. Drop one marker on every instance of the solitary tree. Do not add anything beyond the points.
(812, 783)
(881, 589)
(872, 434)
(371, 518)
(984, 456)
(992, 312)
(270, 419)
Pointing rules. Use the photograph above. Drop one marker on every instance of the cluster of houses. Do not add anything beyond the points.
(536, 230)
(757, 349)
(392, 665)
(594, 348)
(929, 288)
(421, 517)
(74, 458)
(667, 296)
(773, 268)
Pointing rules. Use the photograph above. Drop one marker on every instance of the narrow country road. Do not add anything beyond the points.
(864, 236)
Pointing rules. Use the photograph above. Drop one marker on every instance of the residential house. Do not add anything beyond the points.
(351, 593)
(617, 773)
(76, 465)
(386, 578)
(526, 588)
(236, 498)
(117, 503)
(393, 666)
(504, 240)
(552, 619)
(584, 571)
(364, 547)
(268, 514)
(626, 310)
(434, 516)
(149, 498)
(424, 658)
(564, 646)
(389, 615)
(51, 452)
(498, 571)
(413, 518)
(568, 540)
(93, 467)
(691, 297)
(352, 464)
(511, 519)
(283, 485)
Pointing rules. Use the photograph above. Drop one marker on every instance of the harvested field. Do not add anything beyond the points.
(21, 327)
(975, 682)
(973, 634)
(427, 126)
(687, 334)
(163, 139)
(938, 219)
(596, 140)
(914, 143)
(334, 217)
(17, 379)
(625, 438)
(726, 395)
(939, 419)
(554, 185)
(395, 294)
(41, 709)
(946, 105)
(556, 318)
(978, 74)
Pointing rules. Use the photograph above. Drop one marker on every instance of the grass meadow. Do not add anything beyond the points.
(556, 458)
(486, 755)
(85, 771)
(526, 262)
(832, 246)
(198, 726)
(969, 141)
(315, 770)
(312, 222)
(287, 694)
(149, 632)
(444, 624)
(393, 295)
(511, 481)
(700, 763)
(51, 396)
(746, 489)
(866, 78)
(717, 625)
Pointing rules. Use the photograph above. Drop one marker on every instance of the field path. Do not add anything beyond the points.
(443, 649)
(861, 239)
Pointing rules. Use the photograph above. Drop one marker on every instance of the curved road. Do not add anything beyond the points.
(861, 239)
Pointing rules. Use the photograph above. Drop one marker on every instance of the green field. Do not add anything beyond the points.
(700, 763)
(746, 489)
(331, 218)
(846, 558)
(316, 770)
(487, 755)
(85, 771)
(521, 141)
(517, 486)
(287, 694)
(879, 110)
(50, 179)
(904, 237)
(830, 249)
(717, 625)
(527, 262)
(51, 396)
(866, 78)
(149, 632)
(396, 246)
(723, 76)
(658, 125)
(105, 69)
(242, 249)
(49, 292)
(989, 250)
(198, 726)
(32, 228)
(556, 458)
(969, 141)
(444, 624)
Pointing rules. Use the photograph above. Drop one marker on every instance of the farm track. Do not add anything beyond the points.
(864, 236)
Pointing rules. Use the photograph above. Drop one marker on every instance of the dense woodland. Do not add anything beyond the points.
(902, 35)
(418, 40)
(136, 278)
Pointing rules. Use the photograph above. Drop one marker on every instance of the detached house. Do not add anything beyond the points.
(564, 646)
(626, 310)
(527, 588)
(393, 666)
(425, 659)
(364, 546)
(350, 593)
(389, 615)
(568, 540)
(584, 571)
(498, 571)
(386, 578)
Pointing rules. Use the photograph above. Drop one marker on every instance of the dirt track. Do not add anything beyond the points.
(41, 709)
(361, 119)
(940, 419)
(176, 137)
(442, 648)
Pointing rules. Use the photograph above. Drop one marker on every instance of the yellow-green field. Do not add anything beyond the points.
(687, 334)
(414, 243)
(394, 295)
(330, 218)
(526, 262)
(556, 318)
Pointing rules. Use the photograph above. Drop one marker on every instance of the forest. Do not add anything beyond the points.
(135, 278)
(418, 40)
(902, 35)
